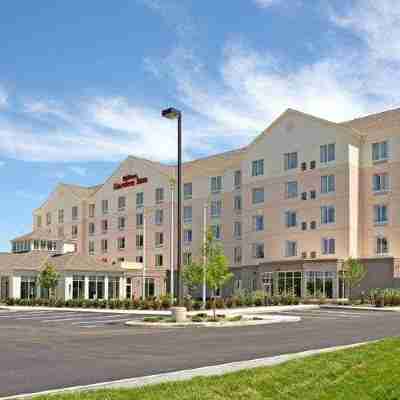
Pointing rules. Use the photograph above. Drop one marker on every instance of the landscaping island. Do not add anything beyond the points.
(369, 372)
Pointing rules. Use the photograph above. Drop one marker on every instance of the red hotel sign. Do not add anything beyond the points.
(129, 180)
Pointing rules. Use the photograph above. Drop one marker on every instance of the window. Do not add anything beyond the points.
(313, 225)
(104, 226)
(187, 235)
(74, 231)
(379, 151)
(258, 223)
(327, 153)
(237, 203)
(291, 219)
(290, 248)
(121, 223)
(216, 231)
(121, 243)
(257, 168)
(304, 196)
(380, 214)
(327, 183)
(328, 215)
(313, 194)
(216, 206)
(237, 179)
(258, 250)
(104, 206)
(91, 247)
(304, 226)
(39, 221)
(139, 220)
(78, 287)
(159, 195)
(60, 216)
(237, 229)
(291, 190)
(187, 214)
(48, 218)
(139, 241)
(158, 217)
(96, 287)
(28, 287)
(159, 260)
(159, 239)
(187, 258)
(139, 259)
(237, 255)
(150, 287)
(139, 199)
(187, 190)
(258, 195)
(60, 231)
(121, 203)
(91, 228)
(380, 182)
(74, 213)
(216, 184)
(328, 246)
(104, 245)
(381, 245)
(113, 287)
(290, 160)
(92, 209)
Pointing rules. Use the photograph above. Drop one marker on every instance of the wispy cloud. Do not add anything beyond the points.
(2, 163)
(76, 169)
(3, 97)
(267, 3)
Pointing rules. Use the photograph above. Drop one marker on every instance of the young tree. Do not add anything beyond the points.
(48, 278)
(213, 268)
(353, 273)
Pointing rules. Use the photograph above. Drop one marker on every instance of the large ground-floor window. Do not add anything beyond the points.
(5, 287)
(28, 287)
(96, 287)
(129, 287)
(150, 290)
(301, 284)
(113, 287)
(78, 286)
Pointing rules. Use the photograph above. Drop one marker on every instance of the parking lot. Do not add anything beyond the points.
(78, 319)
(54, 349)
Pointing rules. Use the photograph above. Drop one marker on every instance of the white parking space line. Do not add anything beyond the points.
(53, 316)
(76, 317)
(16, 315)
(102, 322)
(322, 316)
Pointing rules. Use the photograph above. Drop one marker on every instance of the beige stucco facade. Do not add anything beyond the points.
(326, 226)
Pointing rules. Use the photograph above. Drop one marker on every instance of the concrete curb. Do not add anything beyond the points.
(226, 311)
(360, 308)
(213, 370)
(267, 320)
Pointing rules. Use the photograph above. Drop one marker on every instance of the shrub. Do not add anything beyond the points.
(276, 300)
(188, 303)
(153, 319)
(165, 302)
(235, 318)
(156, 304)
(196, 318)
(197, 304)
(249, 300)
(220, 302)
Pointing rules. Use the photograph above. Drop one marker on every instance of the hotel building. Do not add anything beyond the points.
(288, 209)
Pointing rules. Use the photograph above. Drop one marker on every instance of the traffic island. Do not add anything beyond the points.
(205, 320)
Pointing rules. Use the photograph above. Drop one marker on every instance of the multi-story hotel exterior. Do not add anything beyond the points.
(288, 208)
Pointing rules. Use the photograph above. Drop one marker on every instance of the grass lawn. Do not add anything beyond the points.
(368, 372)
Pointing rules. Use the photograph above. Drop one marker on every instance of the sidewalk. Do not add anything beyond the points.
(226, 311)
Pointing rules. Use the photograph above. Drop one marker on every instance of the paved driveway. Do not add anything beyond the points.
(41, 351)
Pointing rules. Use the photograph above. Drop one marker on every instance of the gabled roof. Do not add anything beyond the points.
(43, 234)
(385, 119)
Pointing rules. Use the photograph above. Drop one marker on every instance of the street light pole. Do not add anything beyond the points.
(173, 113)
(172, 261)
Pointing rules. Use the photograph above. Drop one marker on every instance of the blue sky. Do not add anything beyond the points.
(82, 83)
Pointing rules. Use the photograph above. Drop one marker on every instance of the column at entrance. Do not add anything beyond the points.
(16, 287)
(86, 290)
(106, 287)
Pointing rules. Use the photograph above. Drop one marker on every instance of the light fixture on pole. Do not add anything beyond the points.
(204, 255)
(172, 261)
(173, 113)
(144, 258)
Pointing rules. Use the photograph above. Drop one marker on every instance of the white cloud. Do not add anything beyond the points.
(2, 163)
(3, 97)
(76, 169)
(267, 3)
